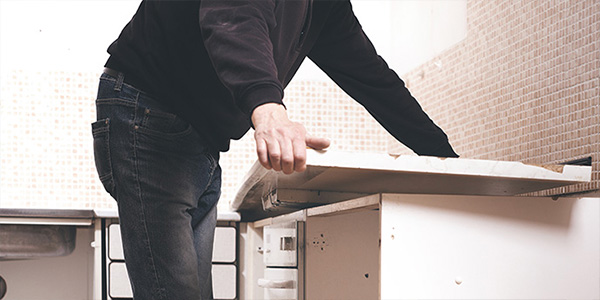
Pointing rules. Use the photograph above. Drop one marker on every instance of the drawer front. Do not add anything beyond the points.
(224, 272)
(224, 248)
(225, 245)
(118, 281)
(224, 279)
(115, 247)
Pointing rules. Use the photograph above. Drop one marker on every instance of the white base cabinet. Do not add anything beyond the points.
(401, 246)
(224, 270)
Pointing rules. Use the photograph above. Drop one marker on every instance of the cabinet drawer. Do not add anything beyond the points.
(224, 281)
(115, 247)
(224, 247)
(118, 282)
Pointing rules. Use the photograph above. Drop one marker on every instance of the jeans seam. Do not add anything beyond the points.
(212, 170)
(159, 290)
(115, 101)
(119, 83)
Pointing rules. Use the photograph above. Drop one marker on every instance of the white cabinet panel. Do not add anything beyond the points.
(224, 246)
(118, 283)
(115, 247)
(224, 281)
(471, 247)
(223, 250)
(342, 251)
(224, 275)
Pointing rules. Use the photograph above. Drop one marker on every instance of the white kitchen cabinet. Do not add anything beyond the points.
(224, 269)
(36, 267)
(461, 233)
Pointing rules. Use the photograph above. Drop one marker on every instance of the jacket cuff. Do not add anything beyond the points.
(258, 96)
(444, 150)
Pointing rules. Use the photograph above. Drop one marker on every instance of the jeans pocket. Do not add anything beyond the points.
(100, 132)
(163, 124)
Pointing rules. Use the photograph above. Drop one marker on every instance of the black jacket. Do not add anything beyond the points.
(214, 61)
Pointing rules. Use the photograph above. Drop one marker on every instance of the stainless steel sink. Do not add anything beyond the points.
(19, 241)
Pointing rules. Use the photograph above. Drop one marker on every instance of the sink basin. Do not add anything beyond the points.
(35, 241)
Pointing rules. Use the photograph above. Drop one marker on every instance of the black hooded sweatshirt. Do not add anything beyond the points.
(213, 61)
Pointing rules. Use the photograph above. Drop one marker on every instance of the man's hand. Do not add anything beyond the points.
(280, 143)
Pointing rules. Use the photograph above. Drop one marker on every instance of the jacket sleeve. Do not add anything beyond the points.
(236, 37)
(344, 52)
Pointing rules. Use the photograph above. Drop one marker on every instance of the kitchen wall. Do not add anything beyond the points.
(524, 84)
(510, 80)
(51, 54)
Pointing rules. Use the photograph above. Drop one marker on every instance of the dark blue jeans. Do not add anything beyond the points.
(166, 182)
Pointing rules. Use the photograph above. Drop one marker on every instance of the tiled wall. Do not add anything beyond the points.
(46, 145)
(523, 86)
(326, 111)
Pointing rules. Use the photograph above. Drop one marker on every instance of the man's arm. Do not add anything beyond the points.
(345, 53)
(236, 36)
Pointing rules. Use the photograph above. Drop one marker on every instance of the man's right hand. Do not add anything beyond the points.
(280, 143)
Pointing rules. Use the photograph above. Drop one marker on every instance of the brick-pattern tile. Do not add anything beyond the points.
(46, 144)
(523, 86)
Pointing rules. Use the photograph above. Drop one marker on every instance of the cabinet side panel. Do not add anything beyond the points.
(342, 256)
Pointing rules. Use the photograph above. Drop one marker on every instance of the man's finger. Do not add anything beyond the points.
(317, 143)
(287, 156)
(263, 154)
(299, 155)
(274, 153)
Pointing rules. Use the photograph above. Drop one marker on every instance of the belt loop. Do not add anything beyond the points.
(119, 83)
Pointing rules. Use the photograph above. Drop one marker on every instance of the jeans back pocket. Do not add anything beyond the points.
(101, 134)
(163, 124)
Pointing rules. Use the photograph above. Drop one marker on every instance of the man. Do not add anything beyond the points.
(183, 79)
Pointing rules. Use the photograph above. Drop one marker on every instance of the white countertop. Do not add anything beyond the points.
(221, 215)
(75, 216)
(368, 173)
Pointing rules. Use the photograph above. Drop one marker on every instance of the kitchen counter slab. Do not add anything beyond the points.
(74, 216)
(333, 176)
(77, 217)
